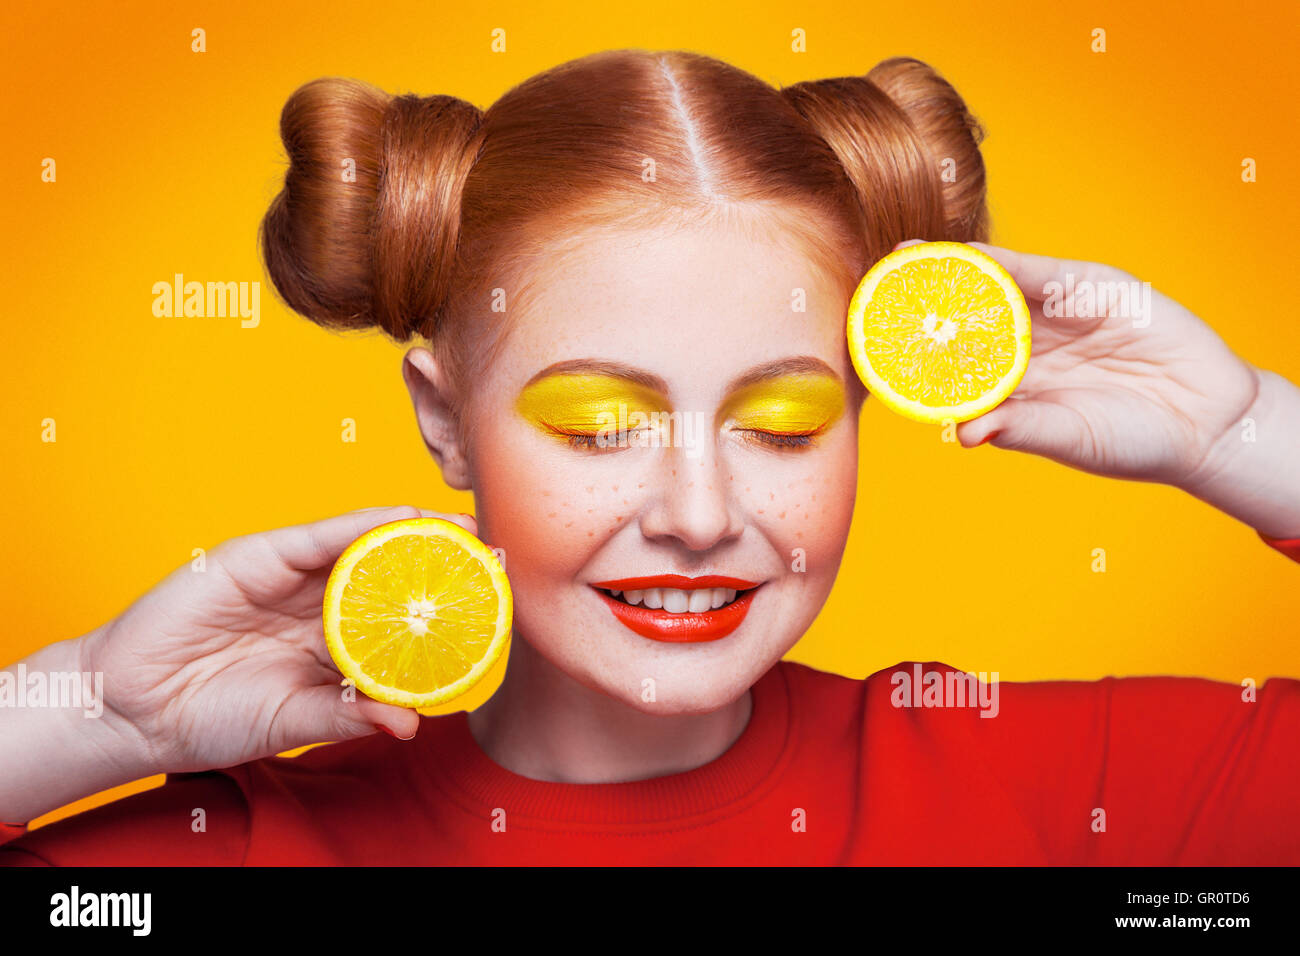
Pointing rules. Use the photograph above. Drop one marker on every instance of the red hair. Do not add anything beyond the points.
(449, 201)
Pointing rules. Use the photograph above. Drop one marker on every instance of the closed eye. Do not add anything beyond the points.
(600, 442)
(780, 439)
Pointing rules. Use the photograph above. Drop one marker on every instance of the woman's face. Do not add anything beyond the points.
(729, 353)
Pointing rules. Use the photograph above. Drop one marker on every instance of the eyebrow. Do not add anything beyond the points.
(799, 365)
(598, 367)
(802, 365)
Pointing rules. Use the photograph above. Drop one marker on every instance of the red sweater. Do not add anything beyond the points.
(1140, 770)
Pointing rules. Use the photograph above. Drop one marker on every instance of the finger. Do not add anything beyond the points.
(401, 722)
(317, 544)
(466, 521)
(1042, 276)
(1024, 424)
(324, 713)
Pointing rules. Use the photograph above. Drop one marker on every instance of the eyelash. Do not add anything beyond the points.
(780, 439)
(584, 442)
(587, 442)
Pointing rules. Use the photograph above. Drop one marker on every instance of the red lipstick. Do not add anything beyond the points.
(686, 627)
(676, 581)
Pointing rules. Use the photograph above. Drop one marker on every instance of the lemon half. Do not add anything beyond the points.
(939, 331)
(417, 611)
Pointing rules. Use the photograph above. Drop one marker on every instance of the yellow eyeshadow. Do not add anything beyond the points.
(789, 405)
(586, 404)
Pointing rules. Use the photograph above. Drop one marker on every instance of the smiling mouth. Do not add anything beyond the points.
(677, 609)
(676, 600)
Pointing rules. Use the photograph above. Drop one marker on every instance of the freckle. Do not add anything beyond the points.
(641, 485)
(591, 534)
(615, 487)
(689, 484)
(551, 515)
(799, 535)
(760, 510)
(781, 515)
(624, 501)
(590, 510)
(771, 496)
(590, 489)
(569, 525)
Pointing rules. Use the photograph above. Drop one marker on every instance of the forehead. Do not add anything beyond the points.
(693, 305)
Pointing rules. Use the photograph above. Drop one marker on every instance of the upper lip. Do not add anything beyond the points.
(678, 581)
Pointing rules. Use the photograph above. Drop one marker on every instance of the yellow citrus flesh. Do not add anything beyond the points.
(939, 331)
(417, 612)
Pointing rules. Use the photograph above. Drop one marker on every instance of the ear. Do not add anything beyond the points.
(433, 411)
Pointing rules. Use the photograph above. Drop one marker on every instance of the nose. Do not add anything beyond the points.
(693, 504)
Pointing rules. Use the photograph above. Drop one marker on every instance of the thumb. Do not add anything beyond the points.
(401, 722)
(322, 713)
(1025, 424)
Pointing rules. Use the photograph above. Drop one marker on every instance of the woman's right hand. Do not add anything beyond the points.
(218, 667)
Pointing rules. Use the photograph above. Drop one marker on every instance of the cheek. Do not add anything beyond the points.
(548, 508)
(806, 504)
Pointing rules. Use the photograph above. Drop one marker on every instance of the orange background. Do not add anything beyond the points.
(179, 433)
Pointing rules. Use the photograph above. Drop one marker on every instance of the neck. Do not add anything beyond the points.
(544, 725)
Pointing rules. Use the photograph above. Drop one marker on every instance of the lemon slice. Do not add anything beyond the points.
(939, 331)
(417, 612)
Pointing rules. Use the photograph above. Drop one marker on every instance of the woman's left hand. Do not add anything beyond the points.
(1131, 386)
(1138, 387)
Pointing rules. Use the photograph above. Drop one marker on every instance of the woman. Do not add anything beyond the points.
(627, 231)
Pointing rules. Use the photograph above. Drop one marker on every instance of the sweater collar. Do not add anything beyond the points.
(461, 768)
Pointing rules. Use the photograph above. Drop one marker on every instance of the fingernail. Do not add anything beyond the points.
(391, 734)
(989, 437)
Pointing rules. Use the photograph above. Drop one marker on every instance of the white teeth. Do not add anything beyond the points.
(675, 601)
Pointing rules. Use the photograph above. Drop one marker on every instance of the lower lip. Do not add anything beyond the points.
(686, 628)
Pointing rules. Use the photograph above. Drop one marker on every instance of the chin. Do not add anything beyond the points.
(688, 678)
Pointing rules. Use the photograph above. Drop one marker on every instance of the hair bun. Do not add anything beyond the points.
(950, 132)
(364, 231)
(893, 131)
